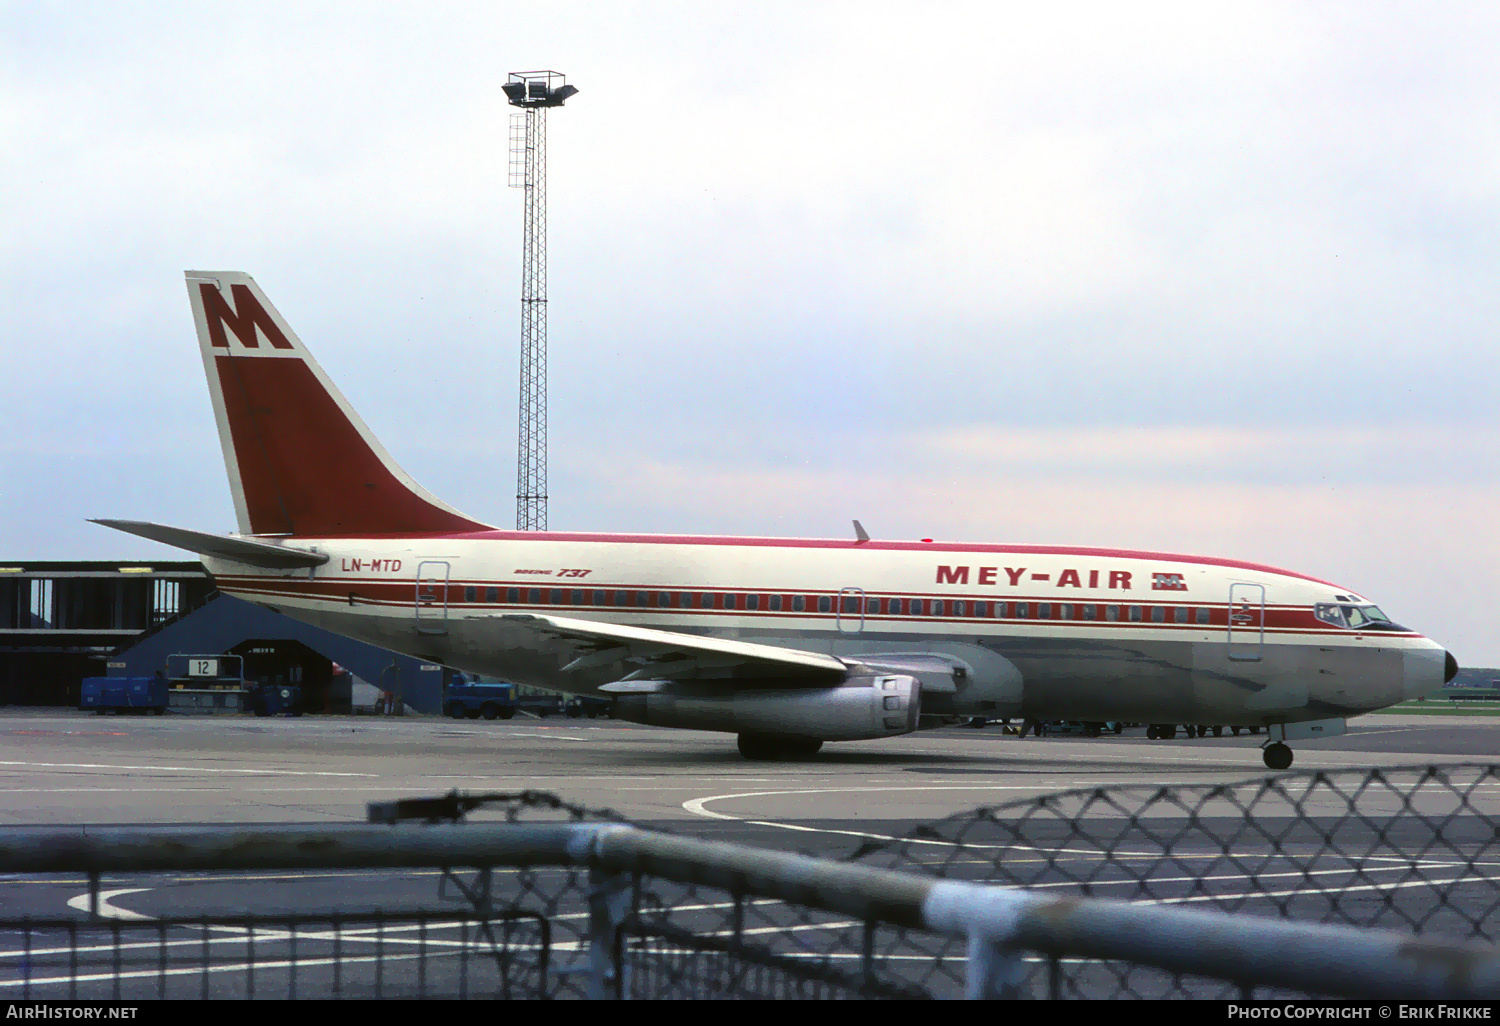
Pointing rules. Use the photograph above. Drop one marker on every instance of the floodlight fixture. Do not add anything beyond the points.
(537, 89)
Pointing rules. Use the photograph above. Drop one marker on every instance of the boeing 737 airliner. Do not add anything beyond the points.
(785, 642)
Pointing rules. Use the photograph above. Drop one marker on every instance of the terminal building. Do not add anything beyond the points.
(63, 621)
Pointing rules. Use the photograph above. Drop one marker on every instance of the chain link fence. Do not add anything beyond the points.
(559, 901)
(1412, 849)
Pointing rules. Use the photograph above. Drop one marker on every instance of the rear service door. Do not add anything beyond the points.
(432, 596)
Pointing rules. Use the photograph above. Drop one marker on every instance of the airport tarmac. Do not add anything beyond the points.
(61, 767)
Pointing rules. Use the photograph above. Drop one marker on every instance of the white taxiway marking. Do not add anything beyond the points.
(106, 910)
(183, 769)
(696, 805)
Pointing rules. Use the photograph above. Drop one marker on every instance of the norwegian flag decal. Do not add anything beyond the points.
(1168, 582)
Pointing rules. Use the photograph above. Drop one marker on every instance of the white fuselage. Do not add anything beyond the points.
(1088, 634)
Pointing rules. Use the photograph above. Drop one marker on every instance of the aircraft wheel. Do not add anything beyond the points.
(764, 747)
(1218, 731)
(1235, 731)
(1277, 756)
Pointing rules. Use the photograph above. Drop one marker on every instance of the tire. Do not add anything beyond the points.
(489, 710)
(765, 747)
(508, 713)
(472, 714)
(456, 710)
(1218, 731)
(1277, 756)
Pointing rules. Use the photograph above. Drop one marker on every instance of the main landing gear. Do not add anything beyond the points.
(765, 747)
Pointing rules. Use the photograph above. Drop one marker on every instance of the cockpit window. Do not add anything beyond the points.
(1353, 617)
(1360, 616)
(1329, 613)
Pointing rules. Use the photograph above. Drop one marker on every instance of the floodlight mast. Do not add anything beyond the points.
(533, 92)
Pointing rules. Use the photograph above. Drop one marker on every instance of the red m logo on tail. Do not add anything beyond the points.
(251, 315)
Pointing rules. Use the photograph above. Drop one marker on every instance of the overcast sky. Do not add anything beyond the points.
(1206, 278)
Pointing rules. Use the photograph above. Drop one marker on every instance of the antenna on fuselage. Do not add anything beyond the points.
(860, 534)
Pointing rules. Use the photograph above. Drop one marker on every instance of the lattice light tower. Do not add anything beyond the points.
(533, 92)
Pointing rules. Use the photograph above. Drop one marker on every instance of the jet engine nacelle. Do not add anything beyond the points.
(857, 710)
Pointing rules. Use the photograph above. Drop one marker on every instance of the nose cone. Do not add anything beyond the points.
(1427, 670)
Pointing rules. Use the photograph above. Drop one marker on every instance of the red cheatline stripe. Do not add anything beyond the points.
(1279, 620)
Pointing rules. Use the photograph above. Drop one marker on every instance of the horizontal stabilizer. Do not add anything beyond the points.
(241, 550)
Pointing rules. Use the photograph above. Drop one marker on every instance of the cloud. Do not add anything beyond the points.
(1169, 271)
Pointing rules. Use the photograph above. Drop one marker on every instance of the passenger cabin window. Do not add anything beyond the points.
(492, 594)
(981, 609)
(893, 606)
(1158, 614)
(775, 604)
(825, 604)
(937, 607)
(799, 603)
(512, 594)
(1044, 610)
(1065, 612)
(469, 593)
(1203, 614)
(1111, 612)
(1088, 613)
(1023, 610)
(752, 601)
(916, 607)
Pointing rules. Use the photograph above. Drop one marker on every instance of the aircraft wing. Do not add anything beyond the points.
(672, 654)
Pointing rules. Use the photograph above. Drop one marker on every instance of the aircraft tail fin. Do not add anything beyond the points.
(300, 460)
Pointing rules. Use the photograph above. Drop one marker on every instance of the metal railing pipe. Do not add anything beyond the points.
(1313, 958)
